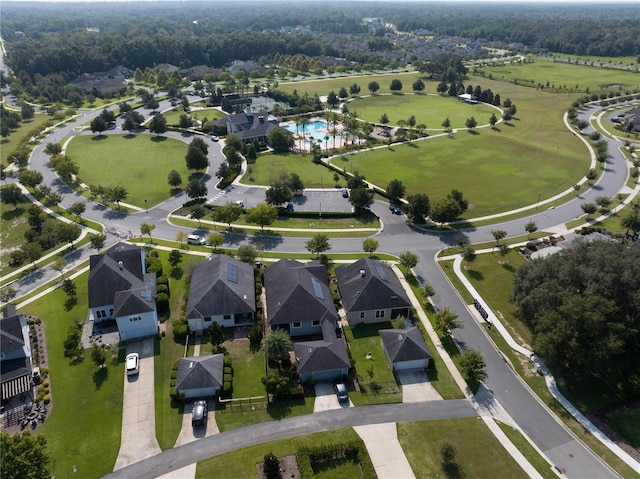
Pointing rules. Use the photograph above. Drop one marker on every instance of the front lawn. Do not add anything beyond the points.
(140, 163)
(242, 463)
(84, 426)
(377, 382)
(477, 452)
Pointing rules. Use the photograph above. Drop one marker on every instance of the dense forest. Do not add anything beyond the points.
(70, 39)
(583, 306)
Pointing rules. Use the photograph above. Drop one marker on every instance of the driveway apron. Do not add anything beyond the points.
(138, 439)
(385, 451)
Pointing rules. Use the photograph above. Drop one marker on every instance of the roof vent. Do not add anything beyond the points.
(190, 364)
(120, 265)
(245, 296)
(399, 337)
(362, 273)
(394, 297)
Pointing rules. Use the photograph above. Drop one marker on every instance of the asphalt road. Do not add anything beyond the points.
(564, 450)
(259, 433)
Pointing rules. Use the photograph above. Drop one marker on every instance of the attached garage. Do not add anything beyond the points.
(201, 376)
(405, 349)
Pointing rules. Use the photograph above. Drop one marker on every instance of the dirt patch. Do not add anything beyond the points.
(288, 468)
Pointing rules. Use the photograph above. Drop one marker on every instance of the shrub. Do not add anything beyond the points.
(227, 389)
(271, 466)
(228, 370)
(46, 399)
(228, 378)
(172, 383)
(162, 280)
(162, 302)
(174, 373)
(180, 328)
(162, 288)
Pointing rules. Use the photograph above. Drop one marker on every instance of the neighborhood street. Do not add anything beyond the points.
(570, 456)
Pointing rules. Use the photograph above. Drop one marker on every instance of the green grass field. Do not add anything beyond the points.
(497, 170)
(140, 163)
(248, 369)
(324, 85)
(565, 76)
(85, 421)
(270, 167)
(173, 116)
(364, 341)
(430, 110)
(242, 463)
(477, 452)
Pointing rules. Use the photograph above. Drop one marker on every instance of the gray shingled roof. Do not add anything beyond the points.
(370, 290)
(11, 334)
(325, 355)
(200, 372)
(291, 295)
(106, 278)
(404, 344)
(212, 293)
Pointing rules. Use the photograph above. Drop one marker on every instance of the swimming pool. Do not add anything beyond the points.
(318, 129)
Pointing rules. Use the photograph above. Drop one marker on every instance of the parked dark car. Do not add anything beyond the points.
(199, 413)
(341, 392)
(345, 193)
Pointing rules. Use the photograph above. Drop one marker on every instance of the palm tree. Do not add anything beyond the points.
(277, 345)
(304, 121)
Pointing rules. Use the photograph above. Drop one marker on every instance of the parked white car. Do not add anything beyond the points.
(132, 363)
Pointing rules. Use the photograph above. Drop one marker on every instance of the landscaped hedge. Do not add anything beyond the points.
(308, 457)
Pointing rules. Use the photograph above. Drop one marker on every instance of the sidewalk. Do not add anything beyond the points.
(550, 380)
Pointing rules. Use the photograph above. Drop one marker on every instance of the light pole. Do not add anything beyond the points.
(538, 201)
(146, 206)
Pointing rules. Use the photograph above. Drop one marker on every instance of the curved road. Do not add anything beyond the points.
(567, 453)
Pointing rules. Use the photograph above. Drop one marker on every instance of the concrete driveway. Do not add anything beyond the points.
(416, 386)
(385, 451)
(326, 398)
(138, 440)
(188, 433)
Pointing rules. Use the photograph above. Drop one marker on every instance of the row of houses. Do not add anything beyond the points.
(298, 299)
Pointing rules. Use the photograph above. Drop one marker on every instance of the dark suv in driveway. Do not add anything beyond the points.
(199, 413)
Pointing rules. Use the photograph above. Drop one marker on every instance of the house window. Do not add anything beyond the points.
(315, 322)
(226, 316)
(134, 318)
(297, 324)
(101, 314)
(380, 313)
(207, 319)
(361, 314)
(110, 313)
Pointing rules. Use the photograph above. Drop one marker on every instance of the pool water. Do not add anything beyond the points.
(318, 129)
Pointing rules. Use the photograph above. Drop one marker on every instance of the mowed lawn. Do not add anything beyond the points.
(242, 463)
(494, 282)
(430, 110)
(86, 418)
(323, 86)
(140, 163)
(496, 170)
(270, 167)
(564, 75)
(173, 116)
(477, 452)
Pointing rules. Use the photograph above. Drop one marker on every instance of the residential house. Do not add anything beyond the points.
(632, 119)
(223, 291)
(103, 83)
(200, 376)
(121, 290)
(405, 349)
(168, 68)
(298, 297)
(371, 292)
(250, 125)
(298, 300)
(247, 66)
(196, 72)
(15, 354)
(324, 359)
